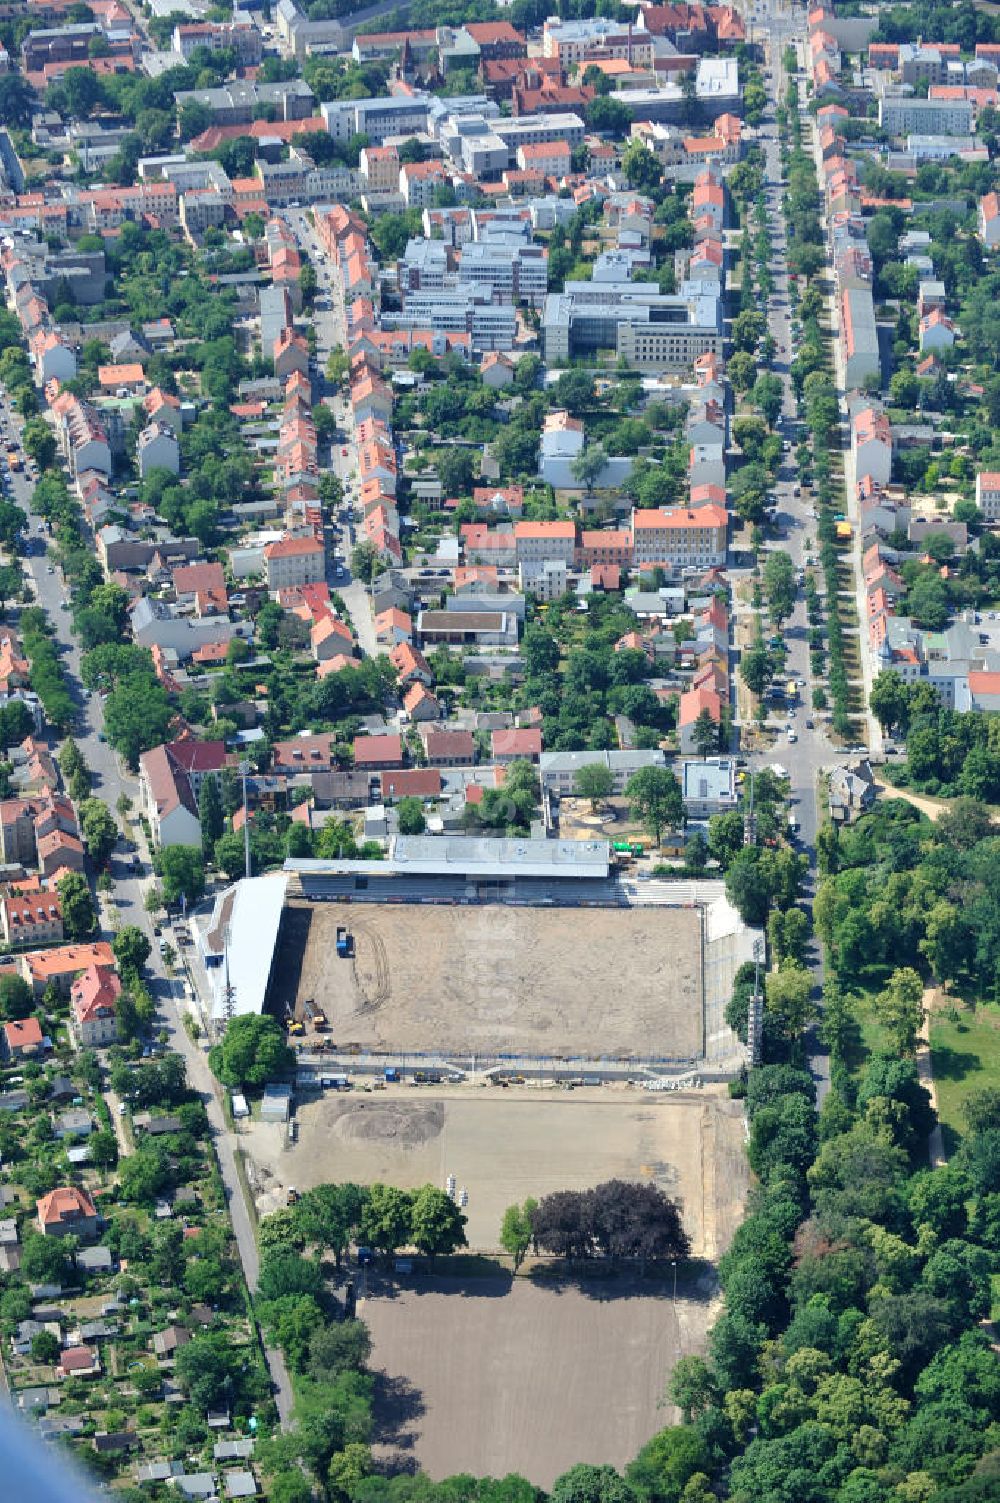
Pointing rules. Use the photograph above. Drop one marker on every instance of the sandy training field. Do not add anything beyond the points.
(490, 1377)
(501, 980)
(503, 1146)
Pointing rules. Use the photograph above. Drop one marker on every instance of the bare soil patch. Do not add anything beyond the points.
(504, 1146)
(490, 1377)
(501, 980)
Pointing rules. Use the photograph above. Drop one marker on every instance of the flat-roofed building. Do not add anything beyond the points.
(709, 787)
(901, 115)
(239, 942)
(557, 770)
(468, 628)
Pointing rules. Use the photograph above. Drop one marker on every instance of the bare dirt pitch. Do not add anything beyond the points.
(489, 1377)
(502, 980)
(503, 1146)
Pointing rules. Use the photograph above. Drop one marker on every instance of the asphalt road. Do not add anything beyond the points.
(111, 779)
(330, 325)
(812, 751)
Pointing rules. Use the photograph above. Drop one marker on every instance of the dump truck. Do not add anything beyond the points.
(343, 943)
(315, 1016)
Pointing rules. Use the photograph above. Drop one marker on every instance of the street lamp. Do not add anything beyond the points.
(673, 1264)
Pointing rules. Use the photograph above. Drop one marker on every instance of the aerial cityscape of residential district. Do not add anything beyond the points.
(500, 751)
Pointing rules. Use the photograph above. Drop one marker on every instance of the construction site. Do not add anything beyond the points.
(497, 980)
(470, 951)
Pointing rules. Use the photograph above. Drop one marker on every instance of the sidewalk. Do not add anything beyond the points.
(935, 1143)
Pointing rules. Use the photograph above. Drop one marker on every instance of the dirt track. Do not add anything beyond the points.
(502, 980)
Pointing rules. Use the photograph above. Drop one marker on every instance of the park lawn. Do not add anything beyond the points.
(965, 1057)
(872, 1037)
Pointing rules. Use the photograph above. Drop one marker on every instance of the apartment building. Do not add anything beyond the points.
(243, 39)
(170, 779)
(577, 42)
(904, 115)
(378, 119)
(240, 102)
(59, 44)
(157, 449)
(920, 63)
(552, 158)
(420, 182)
(387, 46)
(988, 494)
(858, 336)
(93, 1012)
(58, 967)
(31, 918)
(299, 36)
(538, 541)
(680, 537)
(604, 547)
(871, 446)
(989, 220)
(650, 330)
(294, 561)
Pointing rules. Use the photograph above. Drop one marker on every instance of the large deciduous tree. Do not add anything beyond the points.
(131, 946)
(436, 1223)
(253, 1051)
(655, 798)
(516, 1232)
(617, 1219)
(900, 1008)
(100, 831)
(386, 1222)
(79, 918)
(593, 781)
(889, 700)
(181, 870)
(329, 1215)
